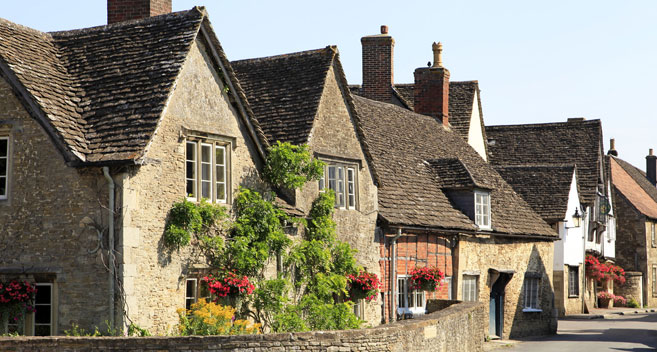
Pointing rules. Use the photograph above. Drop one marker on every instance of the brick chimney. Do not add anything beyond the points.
(377, 66)
(431, 92)
(612, 148)
(125, 10)
(651, 167)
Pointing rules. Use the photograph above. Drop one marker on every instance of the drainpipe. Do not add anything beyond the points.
(110, 258)
(393, 275)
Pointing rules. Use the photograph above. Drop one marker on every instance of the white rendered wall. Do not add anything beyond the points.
(475, 134)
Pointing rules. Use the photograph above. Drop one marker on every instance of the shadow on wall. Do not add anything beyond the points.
(541, 319)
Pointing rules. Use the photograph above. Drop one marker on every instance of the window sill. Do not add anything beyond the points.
(532, 310)
(573, 296)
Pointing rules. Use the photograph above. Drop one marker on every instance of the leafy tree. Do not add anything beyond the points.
(291, 166)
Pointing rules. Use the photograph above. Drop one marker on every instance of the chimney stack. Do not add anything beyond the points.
(651, 167)
(378, 66)
(125, 10)
(612, 148)
(431, 92)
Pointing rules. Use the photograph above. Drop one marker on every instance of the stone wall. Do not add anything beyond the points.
(564, 302)
(456, 328)
(649, 282)
(48, 221)
(154, 277)
(632, 287)
(334, 138)
(523, 257)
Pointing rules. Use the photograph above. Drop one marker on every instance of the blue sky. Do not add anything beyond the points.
(535, 61)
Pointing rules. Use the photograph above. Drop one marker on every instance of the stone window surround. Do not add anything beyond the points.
(470, 289)
(573, 277)
(202, 139)
(5, 155)
(654, 280)
(653, 240)
(200, 287)
(28, 327)
(483, 221)
(347, 165)
(531, 293)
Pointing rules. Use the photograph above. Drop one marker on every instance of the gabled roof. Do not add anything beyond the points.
(403, 145)
(100, 92)
(576, 142)
(461, 99)
(544, 187)
(633, 184)
(284, 91)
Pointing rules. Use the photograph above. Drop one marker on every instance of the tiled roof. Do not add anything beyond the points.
(461, 99)
(284, 91)
(405, 146)
(576, 142)
(102, 90)
(634, 185)
(544, 187)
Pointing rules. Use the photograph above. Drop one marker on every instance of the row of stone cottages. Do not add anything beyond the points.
(120, 116)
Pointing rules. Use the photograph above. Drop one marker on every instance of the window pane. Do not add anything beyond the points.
(3, 147)
(191, 169)
(42, 314)
(221, 191)
(206, 172)
(43, 294)
(206, 153)
(42, 330)
(351, 188)
(220, 173)
(3, 166)
(3, 186)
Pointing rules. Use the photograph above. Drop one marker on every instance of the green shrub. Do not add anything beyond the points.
(209, 318)
(632, 303)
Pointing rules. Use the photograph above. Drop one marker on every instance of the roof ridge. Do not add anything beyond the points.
(4, 21)
(327, 48)
(72, 32)
(554, 165)
(543, 124)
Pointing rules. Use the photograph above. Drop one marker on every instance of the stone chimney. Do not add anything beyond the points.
(377, 66)
(651, 167)
(125, 10)
(431, 93)
(612, 148)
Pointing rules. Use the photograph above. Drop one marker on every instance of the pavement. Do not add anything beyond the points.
(614, 329)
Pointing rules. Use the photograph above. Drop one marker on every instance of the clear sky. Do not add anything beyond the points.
(535, 61)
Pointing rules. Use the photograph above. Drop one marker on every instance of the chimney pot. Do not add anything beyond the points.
(384, 29)
(612, 148)
(437, 54)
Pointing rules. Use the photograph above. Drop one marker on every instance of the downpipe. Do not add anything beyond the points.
(393, 276)
(110, 258)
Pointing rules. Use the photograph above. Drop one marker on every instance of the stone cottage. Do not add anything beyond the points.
(101, 131)
(635, 203)
(303, 98)
(551, 190)
(441, 204)
(575, 144)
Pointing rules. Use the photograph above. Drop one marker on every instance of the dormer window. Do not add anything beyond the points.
(482, 209)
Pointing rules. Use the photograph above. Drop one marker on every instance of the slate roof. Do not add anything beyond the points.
(461, 98)
(576, 142)
(405, 146)
(544, 187)
(633, 184)
(284, 91)
(101, 91)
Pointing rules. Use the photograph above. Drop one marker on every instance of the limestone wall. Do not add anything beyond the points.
(334, 138)
(632, 287)
(456, 328)
(47, 223)
(564, 302)
(153, 276)
(522, 256)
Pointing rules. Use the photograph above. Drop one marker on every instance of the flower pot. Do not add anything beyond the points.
(603, 302)
(356, 293)
(428, 286)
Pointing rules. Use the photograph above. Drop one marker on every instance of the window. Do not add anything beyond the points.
(652, 234)
(654, 280)
(408, 300)
(195, 289)
(448, 284)
(531, 293)
(207, 176)
(43, 304)
(482, 209)
(359, 309)
(573, 281)
(470, 292)
(342, 179)
(4, 167)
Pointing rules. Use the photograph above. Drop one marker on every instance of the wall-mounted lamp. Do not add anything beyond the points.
(577, 218)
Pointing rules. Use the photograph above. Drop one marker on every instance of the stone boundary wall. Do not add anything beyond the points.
(632, 287)
(459, 327)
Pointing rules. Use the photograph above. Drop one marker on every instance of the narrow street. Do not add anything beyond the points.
(630, 332)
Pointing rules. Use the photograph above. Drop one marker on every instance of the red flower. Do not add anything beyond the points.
(230, 284)
(426, 278)
(363, 285)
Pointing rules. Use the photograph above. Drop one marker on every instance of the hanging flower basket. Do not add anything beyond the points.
(16, 298)
(426, 279)
(230, 288)
(364, 285)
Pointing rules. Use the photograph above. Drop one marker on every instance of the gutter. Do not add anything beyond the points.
(393, 275)
(110, 250)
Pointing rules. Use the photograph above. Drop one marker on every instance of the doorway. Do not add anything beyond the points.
(499, 279)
